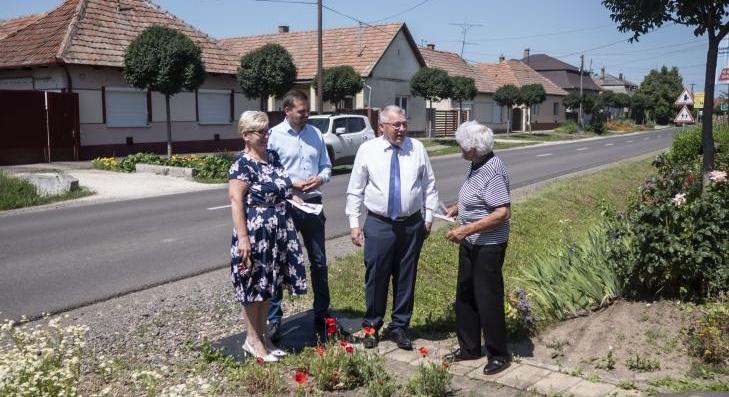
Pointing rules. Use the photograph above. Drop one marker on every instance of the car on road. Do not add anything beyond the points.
(343, 133)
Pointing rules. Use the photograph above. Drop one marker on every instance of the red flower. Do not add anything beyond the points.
(349, 349)
(445, 364)
(423, 351)
(259, 360)
(690, 179)
(320, 350)
(331, 330)
(330, 321)
(369, 331)
(300, 377)
(343, 343)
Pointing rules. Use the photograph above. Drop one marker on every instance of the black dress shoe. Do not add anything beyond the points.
(274, 331)
(496, 365)
(459, 355)
(401, 339)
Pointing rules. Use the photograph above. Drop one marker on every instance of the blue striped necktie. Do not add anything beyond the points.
(393, 199)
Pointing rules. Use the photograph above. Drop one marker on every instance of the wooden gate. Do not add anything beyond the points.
(38, 126)
(445, 122)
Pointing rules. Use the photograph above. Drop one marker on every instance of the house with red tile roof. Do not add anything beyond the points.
(546, 115)
(79, 47)
(385, 56)
(482, 108)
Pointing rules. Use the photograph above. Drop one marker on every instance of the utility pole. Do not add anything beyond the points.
(319, 58)
(582, 67)
(465, 27)
(692, 88)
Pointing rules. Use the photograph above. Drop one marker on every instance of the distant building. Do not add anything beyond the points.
(618, 84)
(564, 75)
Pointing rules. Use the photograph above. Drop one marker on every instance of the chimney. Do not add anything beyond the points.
(431, 46)
(602, 73)
(501, 58)
(283, 28)
(526, 54)
(620, 76)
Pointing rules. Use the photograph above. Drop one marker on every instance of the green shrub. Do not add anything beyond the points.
(708, 336)
(597, 123)
(673, 240)
(215, 167)
(19, 193)
(642, 364)
(569, 279)
(686, 148)
(105, 163)
(569, 127)
(189, 161)
(340, 366)
(431, 380)
(127, 165)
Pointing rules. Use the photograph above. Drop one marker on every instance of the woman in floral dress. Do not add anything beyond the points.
(265, 251)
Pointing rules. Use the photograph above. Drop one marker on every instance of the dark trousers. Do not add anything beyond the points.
(391, 250)
(311, 228)
(480, 299)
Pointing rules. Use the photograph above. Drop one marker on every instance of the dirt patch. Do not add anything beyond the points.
(627, 342)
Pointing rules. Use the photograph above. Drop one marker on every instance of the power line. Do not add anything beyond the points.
(612, 44)
(649, 49)
(547, 34)
(402, 12)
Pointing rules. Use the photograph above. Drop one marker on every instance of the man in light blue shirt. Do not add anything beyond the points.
(304, 156)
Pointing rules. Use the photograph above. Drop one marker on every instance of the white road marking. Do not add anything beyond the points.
(629, 141)
(645, 139)
(219, 208)
(609, 144)
(169, 240)
(582, 148)
(544, 155)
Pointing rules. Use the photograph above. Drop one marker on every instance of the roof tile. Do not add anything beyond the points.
(457, 66)
(519, 74)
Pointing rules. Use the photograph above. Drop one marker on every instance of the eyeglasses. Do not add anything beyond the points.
(399, 124)
(261, 133)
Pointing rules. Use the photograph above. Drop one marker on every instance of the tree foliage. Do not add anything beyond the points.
(266, 71)
(707, 17)
(508, 95)
(573, 99)
(662, 87)
(164, 60)
(433, 84)
(464, 89)
(339, 82)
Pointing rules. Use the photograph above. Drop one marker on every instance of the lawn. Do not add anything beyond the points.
(18, 193)
(541, 221)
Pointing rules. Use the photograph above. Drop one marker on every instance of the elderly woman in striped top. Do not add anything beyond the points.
(483, 211)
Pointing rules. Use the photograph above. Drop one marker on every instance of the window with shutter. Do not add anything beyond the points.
(125, 107)
(213, 106)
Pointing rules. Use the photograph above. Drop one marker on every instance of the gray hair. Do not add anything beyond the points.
(474, 135)
(252, 120)
(389, 109)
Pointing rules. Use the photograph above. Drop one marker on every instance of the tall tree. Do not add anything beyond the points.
(706, 17)
(339, 82)
(662, 87)
(433, 84)
(507, 95)
(464, 89)
(164, 60)
(266, 71)
(639, 104)
(532, 94)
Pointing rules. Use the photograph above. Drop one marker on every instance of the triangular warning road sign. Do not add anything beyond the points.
(684, 116)
(684, 99)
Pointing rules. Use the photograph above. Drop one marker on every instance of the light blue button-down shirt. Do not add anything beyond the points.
(303, 154)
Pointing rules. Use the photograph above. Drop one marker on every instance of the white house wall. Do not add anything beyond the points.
(391, 78)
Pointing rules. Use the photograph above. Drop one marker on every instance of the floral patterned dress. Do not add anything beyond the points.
(276, 257)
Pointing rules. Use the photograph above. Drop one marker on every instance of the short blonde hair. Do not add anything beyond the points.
(252, 120)
(474, 135)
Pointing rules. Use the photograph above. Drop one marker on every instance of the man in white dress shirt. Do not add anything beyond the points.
(393, 177)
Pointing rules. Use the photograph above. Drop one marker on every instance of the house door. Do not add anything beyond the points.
(516, 119)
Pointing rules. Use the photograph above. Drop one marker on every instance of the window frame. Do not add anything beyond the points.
(201, 93)
(107, 94)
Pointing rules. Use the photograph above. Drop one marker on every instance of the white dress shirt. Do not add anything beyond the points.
(369, 181)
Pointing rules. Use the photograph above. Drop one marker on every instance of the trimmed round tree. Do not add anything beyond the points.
(464, 89)
(164, 60)
(339, 82)
(532, 94)
(433, 84)
(507, 95)
(266, 71)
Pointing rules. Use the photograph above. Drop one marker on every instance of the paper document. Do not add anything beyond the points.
(309, 208)
(445, 218)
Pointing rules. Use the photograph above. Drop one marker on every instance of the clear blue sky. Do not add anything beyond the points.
(561, 28)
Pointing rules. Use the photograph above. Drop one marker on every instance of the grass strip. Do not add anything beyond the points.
(18, 193)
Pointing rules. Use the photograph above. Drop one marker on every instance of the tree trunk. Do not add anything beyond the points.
(264, 103)
(529, 118)
(429, 125)
(509, 112)
(707, 138)
(169, 126)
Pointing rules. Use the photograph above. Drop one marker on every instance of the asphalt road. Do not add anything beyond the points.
(52, 261)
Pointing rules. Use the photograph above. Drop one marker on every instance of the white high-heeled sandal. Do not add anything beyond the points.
(269, 357)
(274, 350)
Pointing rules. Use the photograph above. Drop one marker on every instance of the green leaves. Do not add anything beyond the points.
(339, 83)
(164, 60)
(433, 84)
(507, 95)
(463, 88)
(269, 70)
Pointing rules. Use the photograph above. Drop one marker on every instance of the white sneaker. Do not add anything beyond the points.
(270, 357)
